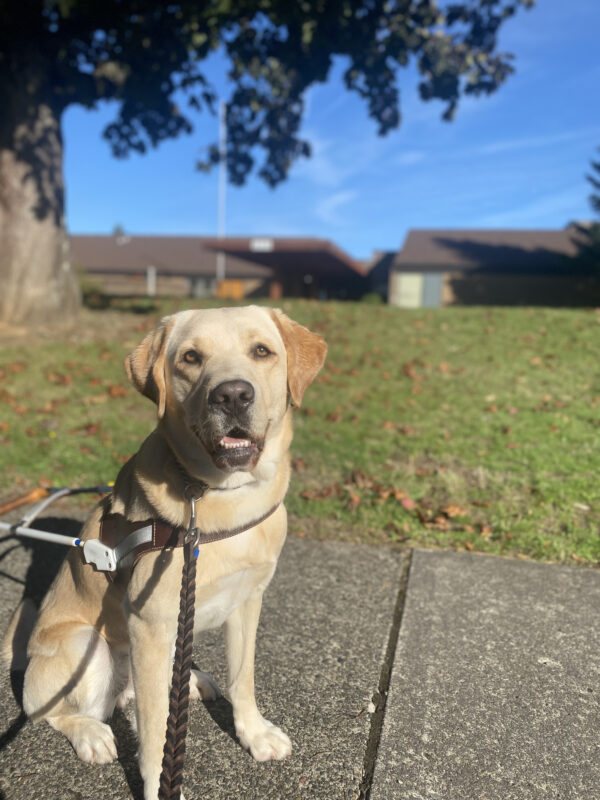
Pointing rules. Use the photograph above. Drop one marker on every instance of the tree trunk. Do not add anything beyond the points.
(37, 284)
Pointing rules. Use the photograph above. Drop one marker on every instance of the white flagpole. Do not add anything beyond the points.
(221, 189)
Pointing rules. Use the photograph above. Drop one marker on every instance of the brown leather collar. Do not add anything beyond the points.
(163, 535)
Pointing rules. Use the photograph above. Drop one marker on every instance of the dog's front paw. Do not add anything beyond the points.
(203, 686)
(264, 740)
(93, 741)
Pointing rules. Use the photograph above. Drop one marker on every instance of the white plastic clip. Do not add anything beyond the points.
(106, 559)
(101, 556)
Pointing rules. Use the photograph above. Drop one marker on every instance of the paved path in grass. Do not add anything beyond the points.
(431, 676)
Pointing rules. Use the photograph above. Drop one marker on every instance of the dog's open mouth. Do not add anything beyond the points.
(236, 450)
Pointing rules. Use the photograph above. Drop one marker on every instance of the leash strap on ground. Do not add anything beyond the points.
(45, 496)
(48, 495)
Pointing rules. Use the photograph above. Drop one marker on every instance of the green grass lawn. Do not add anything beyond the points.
(466, 428)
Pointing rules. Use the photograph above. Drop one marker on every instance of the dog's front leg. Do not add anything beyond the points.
(151, 662)
(261, 737)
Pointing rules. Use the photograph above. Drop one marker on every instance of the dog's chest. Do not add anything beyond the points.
(216, 601)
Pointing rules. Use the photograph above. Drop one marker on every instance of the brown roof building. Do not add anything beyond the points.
(493, 267)
(255, 265)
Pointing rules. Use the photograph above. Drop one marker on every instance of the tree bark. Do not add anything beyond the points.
(37, 283)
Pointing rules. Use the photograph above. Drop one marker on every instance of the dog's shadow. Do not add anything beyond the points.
(221, 712)
(45, 561)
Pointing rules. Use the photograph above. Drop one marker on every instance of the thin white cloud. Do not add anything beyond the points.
(529, 142)
(565, 204)
(328, 209)
(409, 158)
(335, 161)
(322, 167)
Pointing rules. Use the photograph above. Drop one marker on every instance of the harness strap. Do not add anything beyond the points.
(156, 534)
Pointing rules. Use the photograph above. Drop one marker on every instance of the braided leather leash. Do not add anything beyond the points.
(171, 776)
(179, 699)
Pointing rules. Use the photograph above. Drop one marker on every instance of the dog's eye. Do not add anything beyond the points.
(260, 351)
(192, 357)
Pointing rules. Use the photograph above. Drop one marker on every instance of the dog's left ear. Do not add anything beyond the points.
(145, 366)
(306, 353)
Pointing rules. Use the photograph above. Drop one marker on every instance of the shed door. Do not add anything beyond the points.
(432, 290)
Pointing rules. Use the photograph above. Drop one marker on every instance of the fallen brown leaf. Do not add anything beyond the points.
(453, 510)
(92, 429)
(406, 430)
(354, 500)
(408, 369)
(114, 390)
(59, 378)
(15, 367)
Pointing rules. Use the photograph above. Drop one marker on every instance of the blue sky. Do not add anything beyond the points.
(514, 160)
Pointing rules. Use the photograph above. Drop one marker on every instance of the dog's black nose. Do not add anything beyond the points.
(232, 396)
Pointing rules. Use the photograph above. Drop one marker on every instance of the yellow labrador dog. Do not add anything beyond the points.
(224, 381)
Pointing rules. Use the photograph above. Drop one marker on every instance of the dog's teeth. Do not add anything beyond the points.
(232, 445)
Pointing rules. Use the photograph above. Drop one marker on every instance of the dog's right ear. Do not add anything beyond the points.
(306, 353)
(145, 366)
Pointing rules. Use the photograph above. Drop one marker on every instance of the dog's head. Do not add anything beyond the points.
(224, 378)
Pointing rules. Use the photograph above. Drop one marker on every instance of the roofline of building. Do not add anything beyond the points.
(494, 269)
(236, 245)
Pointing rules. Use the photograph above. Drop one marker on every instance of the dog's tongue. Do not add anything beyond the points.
(231, 441)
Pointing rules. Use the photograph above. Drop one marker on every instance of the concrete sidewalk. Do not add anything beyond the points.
(492, 667)
(494, 693)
